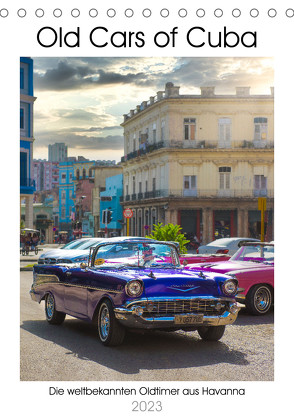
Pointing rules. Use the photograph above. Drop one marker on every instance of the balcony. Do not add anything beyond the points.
(27, 186)
(199, 194)
(260, 193)
(199, 145)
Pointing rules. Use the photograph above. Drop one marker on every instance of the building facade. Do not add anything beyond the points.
(83, 185)
(42, 220)
(200, 161)
(66, 196)
(110, 199)
(101, 173)
(46, 175)
(57, 152)
(27, 100)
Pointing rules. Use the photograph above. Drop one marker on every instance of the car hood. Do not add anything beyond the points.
(225, 266)
(73, 253)
(64, 253)
(175, 282)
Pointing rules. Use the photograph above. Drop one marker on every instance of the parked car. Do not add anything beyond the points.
(202, 258)
(77, 253)
(136, 284)
(73, 252)
(253, 266)
(224, 246)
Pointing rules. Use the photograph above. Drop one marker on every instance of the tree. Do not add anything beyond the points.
(169, 232)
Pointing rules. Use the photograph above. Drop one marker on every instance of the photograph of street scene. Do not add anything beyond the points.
(115, 155)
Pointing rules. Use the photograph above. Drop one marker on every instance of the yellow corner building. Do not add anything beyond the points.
(201, 161)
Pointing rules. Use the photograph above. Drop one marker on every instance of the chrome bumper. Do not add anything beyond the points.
(33, 295)
(130, 319)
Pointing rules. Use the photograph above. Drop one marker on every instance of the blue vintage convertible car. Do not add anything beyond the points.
(136, 284)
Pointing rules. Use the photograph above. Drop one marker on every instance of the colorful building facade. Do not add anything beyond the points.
(101, 173)
(46, 175)
(27, 99)
(66, 196)
(110, 200)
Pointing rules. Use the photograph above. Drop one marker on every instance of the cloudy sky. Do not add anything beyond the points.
(81, 101)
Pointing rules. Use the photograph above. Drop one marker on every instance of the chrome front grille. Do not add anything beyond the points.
(64, 261)
(47, 261)
(54, 261)
(183, 306)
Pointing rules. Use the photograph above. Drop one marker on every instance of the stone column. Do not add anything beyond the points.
(50, 234)
(240, 223)
(174, 217)
(168, 216)
(210, 226)
(245, 223)
(207, 218)
(29, 214)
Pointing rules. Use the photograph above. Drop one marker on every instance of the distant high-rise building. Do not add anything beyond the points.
(57, 152)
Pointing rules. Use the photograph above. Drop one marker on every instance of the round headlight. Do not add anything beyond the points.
(134, 288)
(230, 287)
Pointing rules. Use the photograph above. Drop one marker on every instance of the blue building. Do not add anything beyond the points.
(66, 196)
(110, 199)
(27, 99)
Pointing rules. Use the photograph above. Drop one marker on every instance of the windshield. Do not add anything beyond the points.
(258, 253)
(87, 244)
(74, 244)
(136, 254)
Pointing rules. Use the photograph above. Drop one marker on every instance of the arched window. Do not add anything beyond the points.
(78, 174)
(84, 173)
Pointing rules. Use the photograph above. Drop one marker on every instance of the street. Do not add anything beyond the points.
(72, 351)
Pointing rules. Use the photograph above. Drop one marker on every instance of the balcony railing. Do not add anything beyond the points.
(27, 183)
(195, 144)
(199, 194)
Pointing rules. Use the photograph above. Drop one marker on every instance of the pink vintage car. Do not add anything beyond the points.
(202, 258)
(253, 266)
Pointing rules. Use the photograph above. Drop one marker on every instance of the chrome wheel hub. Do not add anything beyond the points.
(262, 299)
(104, 322)
(49, 306)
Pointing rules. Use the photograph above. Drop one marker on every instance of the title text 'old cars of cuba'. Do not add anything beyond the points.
(139, 285)
(253, 266)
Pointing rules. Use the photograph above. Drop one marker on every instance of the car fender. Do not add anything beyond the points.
(251, 277)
